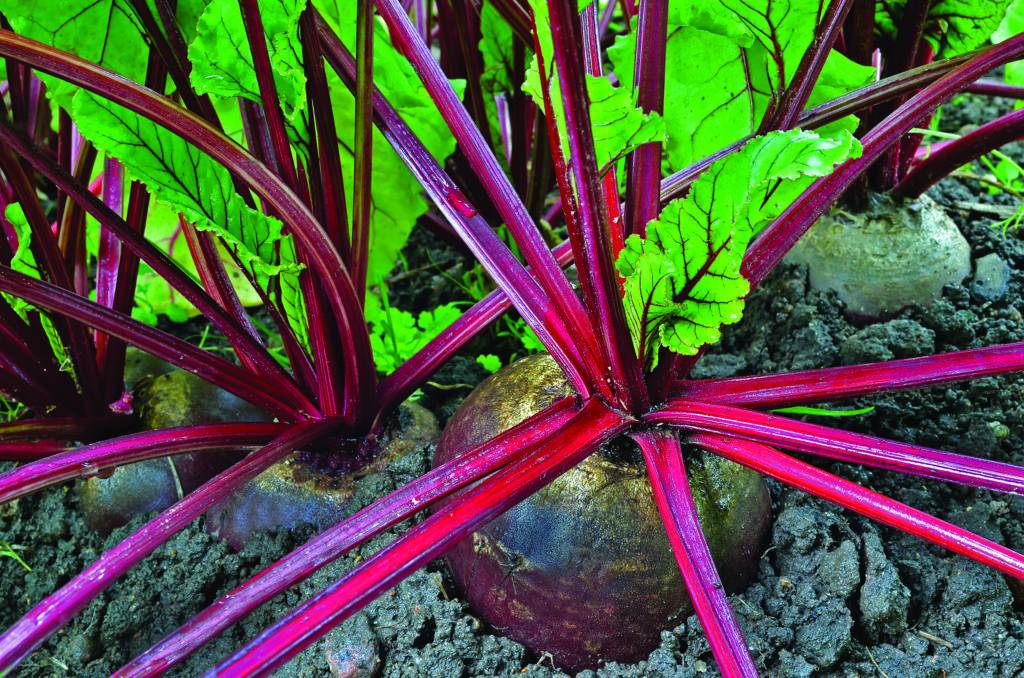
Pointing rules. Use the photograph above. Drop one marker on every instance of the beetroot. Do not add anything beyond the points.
(582, 569)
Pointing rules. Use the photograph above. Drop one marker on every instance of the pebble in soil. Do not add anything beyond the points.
(835, 595)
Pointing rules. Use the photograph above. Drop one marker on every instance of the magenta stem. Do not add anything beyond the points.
(588, 429)
(590, 233)
(309, 234)
(384, 513)
(834, 383)
(511, 209)
(780, 236)
(163, 345)
(786, 469)
(60, 607)
(91, 460)
(496, 258)
(946, 159)
(845, 446)
(674, 499)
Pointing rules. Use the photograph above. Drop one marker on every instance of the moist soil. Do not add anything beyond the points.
(835, 594)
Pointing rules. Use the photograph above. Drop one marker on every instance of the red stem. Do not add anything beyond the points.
(587, 430)
(946, 159)
(845, 446)
(780, 236)
(835, 383)
(91, 460)
(511, 209)
(531, 302)
(384, 513)
(241, 340)
(57, 609)
(411, 374)
(674, 499)
(786, 469)
(644, 175)
(591, 239)
(253, 388)
(324, 258)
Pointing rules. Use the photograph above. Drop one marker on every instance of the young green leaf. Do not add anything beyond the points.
(683, 282)
(489, 362)
(395, 335)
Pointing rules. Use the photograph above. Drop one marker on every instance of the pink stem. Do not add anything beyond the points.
(842, 445)
(674, 498)
(784, 468)
(834, 383)
(60, 607)
(384, 513)
(91, 460)
(592, 426)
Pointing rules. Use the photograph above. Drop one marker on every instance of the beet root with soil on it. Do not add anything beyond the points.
(582, 569)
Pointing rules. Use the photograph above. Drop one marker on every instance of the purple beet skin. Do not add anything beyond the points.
(583, 569)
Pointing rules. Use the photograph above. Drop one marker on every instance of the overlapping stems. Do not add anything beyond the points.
(718, 415)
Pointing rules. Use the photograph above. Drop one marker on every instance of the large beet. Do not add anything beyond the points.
(582, 569)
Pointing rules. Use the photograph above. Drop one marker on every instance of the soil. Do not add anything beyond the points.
(835, 595)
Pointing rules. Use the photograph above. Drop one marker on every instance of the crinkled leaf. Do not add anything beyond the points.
(184, 178)
(396, 335)
(102, 31)
(619, 126)
(683, 282)
(222, 60)
(726, 59)
(953, 26)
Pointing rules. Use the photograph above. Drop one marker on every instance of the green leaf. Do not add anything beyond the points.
(489, 362)
(822, 412)
(953, 26)
(102, 31)
(222, 60)
(619, 126)
(726, 59)
(183, 177)
(395, 335)
(683, 282)
(24, 262)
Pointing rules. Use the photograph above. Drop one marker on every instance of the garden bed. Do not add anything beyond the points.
(835, 594)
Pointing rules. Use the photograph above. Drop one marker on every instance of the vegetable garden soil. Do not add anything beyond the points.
(835, 595)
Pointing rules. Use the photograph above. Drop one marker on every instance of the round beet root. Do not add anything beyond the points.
(314, 487)
(583, 569)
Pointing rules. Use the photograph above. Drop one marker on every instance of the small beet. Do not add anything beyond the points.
(172, 399)
(310, 488)
(582, 569)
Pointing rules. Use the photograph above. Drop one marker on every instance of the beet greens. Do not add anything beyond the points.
(294, 165)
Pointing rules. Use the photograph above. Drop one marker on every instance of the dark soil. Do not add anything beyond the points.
(836, 595)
